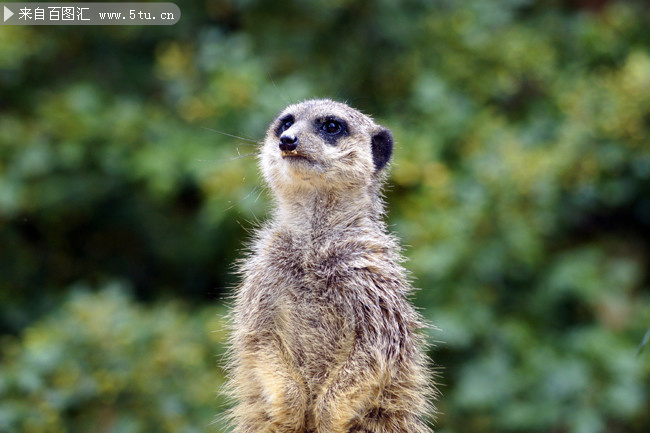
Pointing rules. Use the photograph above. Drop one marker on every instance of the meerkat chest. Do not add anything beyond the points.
(310, 283)
(311, 310)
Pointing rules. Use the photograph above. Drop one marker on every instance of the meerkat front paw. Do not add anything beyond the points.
(332, 414)
(286, 405)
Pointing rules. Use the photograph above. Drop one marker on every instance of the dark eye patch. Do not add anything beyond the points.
(332, 128)
(284, 123)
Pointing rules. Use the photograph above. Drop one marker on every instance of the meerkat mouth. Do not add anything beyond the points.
(295, 155)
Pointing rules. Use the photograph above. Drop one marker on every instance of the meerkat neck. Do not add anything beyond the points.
(329, 210)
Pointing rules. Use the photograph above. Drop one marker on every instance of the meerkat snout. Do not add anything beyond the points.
(288, 143)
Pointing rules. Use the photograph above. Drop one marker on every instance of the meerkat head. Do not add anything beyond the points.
(324, 145)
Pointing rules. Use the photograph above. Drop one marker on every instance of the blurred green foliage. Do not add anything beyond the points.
(102, 363)
(520, 188)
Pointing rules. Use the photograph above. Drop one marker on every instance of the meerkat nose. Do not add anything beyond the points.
(288, 143)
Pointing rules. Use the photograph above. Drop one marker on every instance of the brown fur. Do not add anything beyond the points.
(323, 338)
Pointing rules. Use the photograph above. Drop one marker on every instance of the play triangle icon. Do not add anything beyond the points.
(8, 13)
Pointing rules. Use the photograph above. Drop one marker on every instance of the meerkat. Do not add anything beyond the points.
(323, 338)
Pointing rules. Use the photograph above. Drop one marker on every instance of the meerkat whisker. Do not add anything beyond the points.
(243, 199)
(231, 135)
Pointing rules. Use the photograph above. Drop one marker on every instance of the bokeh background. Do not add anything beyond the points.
(520, 188)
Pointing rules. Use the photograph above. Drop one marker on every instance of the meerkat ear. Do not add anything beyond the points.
(382, 148)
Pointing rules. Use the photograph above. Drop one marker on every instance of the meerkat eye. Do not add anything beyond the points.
(332, 127)
(285, 123)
